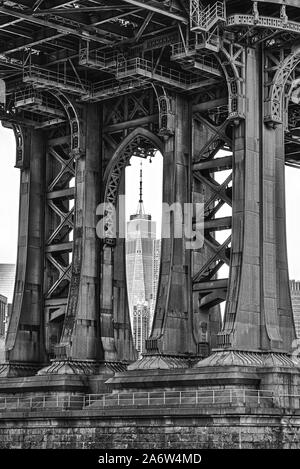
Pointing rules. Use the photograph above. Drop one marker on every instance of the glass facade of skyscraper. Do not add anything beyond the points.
(142, 269)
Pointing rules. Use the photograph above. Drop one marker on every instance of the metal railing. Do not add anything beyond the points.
(190, 49)
(179, 398)
(144, 399)
(263, 21)
(204, 18)
(139, 66)
(58, 80)
(41, 402)
(112, 87)
(180, 48)
(103, 60)
(28, 96)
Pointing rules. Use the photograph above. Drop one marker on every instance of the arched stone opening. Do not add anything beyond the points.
(115, 325)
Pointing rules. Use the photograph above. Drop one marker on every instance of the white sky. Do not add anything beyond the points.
(152, 188)
(152, 184)
(293, 220)
(9, 197)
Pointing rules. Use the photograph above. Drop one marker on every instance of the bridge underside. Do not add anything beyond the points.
(215, 87)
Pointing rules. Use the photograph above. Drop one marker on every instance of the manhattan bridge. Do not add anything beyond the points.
(215, 87)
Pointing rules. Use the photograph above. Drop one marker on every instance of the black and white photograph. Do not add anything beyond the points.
(149, 232)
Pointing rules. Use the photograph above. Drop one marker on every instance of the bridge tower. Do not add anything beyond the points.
(213, 86)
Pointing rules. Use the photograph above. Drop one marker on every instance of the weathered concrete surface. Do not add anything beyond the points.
(185, 378)
(80, 337)
(208, 428)
(172, 323)
(43, 384)
(258, 313)
(25, 338)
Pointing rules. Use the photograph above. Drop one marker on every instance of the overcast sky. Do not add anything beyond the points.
(9, 200)
(152, 188)
(9, 197)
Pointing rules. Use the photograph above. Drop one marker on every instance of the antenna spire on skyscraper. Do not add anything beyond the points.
(141, 184)
(141, 210)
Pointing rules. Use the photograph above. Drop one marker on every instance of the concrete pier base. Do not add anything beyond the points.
(272, 374)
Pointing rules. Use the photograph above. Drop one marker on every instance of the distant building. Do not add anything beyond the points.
(141, 268)
(295, 294)
(140, 326)
(7, 280)
(155, 275)
(8, 316)
(141, 232)
(7, 285)
(3, 315)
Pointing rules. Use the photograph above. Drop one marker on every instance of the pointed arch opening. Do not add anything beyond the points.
(136, 191)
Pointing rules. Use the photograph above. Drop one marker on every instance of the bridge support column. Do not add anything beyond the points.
(116, 333)
(258, 316)
(172, 341)
(25, 351)
(254, 347)
(284, 303)
(122, 332)
(80, 344)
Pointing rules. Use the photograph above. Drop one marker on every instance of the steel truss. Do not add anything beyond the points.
(214, 157)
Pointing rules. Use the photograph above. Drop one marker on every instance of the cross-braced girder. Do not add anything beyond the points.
(59, 231)
(208, 162)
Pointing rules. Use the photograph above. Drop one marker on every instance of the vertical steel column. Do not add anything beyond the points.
(81, 337)
(121, 317)
(106, 304)
(242, 321)
(258, 312)
(116, 336)
(284, 302)
(25, 340)
(172, 324)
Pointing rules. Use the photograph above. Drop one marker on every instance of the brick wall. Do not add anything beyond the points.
(226, 428)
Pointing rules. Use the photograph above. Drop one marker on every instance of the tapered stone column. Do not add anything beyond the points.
(258, 315)
(116, 334)
(121, 318)
(284, 303)
(81, 333)
(106, 305)
(25, 338)
(172, 339)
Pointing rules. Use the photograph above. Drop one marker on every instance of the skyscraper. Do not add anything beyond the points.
(295, 294)
(7, 280)
(3, 314)
(7, 284)
(140, 247)
(140, 326)
(155, 276)
(3, 325)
